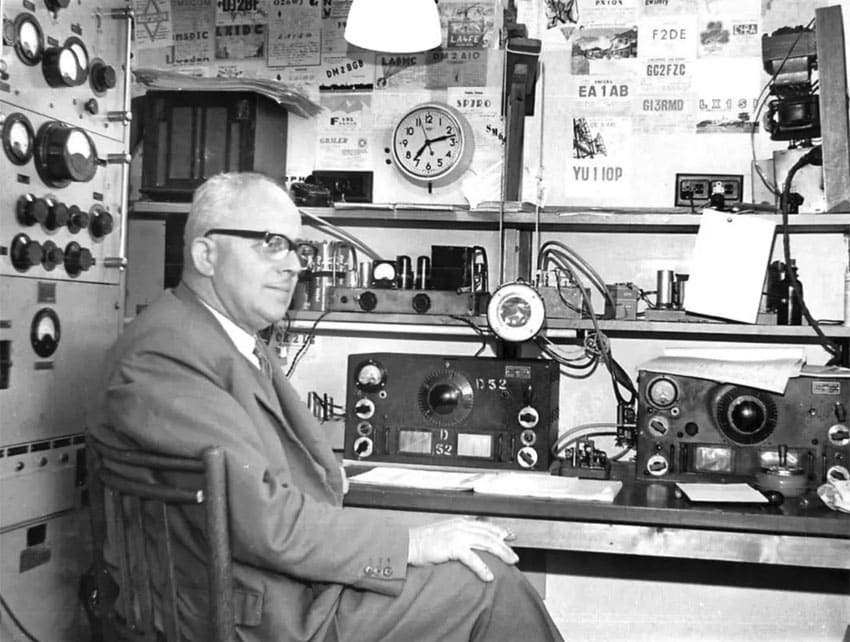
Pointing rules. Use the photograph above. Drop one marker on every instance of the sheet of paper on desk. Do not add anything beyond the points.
(416, 478)
(543, 486)
(724, 493)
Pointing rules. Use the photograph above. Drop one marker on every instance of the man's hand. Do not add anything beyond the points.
(455, 539)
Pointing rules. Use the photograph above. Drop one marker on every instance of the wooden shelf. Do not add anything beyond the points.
(367, 322)
(552, 219)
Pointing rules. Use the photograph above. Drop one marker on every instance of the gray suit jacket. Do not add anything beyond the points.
(175, 383)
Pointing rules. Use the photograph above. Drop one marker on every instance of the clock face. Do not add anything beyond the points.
(432, 143)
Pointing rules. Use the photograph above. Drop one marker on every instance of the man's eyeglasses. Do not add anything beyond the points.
(273, 243)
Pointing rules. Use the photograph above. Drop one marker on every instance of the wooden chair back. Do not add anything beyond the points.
(127, 509)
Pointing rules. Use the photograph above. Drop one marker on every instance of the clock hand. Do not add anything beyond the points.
(439, 138)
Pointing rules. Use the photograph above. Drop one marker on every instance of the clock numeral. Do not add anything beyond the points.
(407, 154)
(429, 118)
(404, 142)
(449, 130)
(439, 162)
(409, 131)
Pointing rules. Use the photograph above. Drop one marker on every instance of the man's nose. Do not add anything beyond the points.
(291, 263)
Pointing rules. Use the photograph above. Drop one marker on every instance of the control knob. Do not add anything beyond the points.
(55, 5)
(25, 252)
(101, 76)
(77, 259)
(53, 255)
(31, 210)
(64, 154)
(57, 215)
(101, 223)
(77, 219)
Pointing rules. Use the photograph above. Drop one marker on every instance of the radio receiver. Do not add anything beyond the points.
(692, 429)
(452, 411)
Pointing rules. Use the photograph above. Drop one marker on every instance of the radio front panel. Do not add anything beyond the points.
(451, 411)
(52, 226)
(692, 429)
(68, 64)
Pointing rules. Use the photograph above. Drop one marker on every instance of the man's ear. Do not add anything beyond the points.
(204, 256)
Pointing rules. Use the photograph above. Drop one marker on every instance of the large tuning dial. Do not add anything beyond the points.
(64, 154)
(445, 397)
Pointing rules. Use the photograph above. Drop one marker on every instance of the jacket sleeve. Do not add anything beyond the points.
(164, 403)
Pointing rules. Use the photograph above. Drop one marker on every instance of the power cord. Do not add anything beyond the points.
(17, 622)
(812, 157)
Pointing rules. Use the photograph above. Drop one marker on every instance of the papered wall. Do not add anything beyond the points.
(631, 91)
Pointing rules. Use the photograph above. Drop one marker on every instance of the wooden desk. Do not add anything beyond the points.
(645, 519)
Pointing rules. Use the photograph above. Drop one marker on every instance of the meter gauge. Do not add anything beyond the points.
(45, 332)
(66, 66)
(18, 138)
(662, 392)
(370, 376)
(81, 54)
(25, 35)
(64, 154)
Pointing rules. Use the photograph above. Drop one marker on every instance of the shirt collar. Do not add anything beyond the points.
(243, 341)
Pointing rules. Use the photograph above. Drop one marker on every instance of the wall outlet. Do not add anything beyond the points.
(696, 189)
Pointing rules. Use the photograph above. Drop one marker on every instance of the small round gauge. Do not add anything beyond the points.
(44, 332)
(516, 312)
(446, 397)
(81, 54)
(370, 376)
(662, 392)
(18, 138)
(28, 39)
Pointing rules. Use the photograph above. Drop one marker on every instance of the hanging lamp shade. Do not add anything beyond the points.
(397, 26)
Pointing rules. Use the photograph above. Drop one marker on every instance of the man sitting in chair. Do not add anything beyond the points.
(188, 373)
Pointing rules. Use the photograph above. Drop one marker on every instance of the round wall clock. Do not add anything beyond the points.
(432, 144)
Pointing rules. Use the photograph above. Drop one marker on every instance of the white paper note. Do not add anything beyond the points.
(728, 265)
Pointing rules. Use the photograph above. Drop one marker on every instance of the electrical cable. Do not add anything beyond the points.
(479, 331)
(813, 157)
(307, 342)
(342, 234)
(568, 436)
(17, 622)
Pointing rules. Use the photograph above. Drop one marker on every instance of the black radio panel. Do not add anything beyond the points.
(452, 411)
(693, 429)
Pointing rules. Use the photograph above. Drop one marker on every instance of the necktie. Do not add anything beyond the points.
(262, 357)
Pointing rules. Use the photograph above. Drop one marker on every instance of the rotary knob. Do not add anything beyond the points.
(31, 210)
(77, 259)
(25, 253)
(53, 255)
(57, 215)
(64, 154)
(101, 76)
(77, 219)
(101, 224)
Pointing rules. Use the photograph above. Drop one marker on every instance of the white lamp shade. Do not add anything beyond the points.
(397, 26)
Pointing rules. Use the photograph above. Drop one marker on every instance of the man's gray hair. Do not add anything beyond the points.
(219, 200)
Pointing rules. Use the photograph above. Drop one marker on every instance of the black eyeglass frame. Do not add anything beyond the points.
(252, 234)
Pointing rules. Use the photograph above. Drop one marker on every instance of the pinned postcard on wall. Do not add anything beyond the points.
(728, 265)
